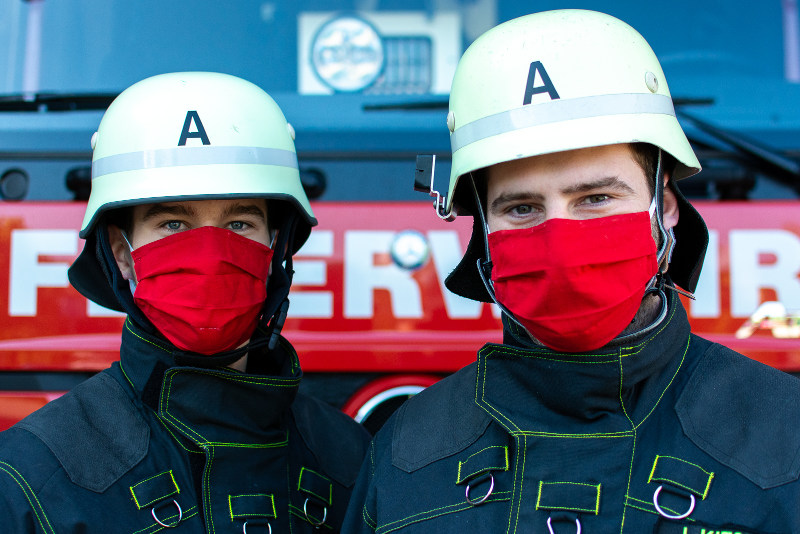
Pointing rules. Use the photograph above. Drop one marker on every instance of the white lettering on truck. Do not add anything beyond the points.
(707, 303)
(28, 274)
(749, 274)
(759, 259)
(362, 277)
(312, 304)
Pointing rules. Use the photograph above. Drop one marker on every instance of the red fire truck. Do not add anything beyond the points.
(365, 87)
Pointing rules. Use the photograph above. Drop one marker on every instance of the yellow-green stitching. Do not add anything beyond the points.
(178, 440)
(710, 476)
(297, 512)
(30, 496)
(647, 506)
(633, 447)
(596, 509)
(368, 518)
(271, 500)
(164, 403)
(274, 445)
(329, 499)
(136, 500)
(155, 527)
(436, 512)
(666, 388)
(128, 328)
(481, 377)
(515, 509)
(130, 382)
(604, 435)
(504, 467)
(207, 484)
(163, 407)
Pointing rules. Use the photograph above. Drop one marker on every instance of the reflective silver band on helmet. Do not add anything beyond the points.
(558, 111)
(174, 157)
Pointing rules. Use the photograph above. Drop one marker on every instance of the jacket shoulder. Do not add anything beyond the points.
(438, 422)
(744, 414)
(335, 439)
(94, 431)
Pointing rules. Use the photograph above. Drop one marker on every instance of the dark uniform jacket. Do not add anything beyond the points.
(526, 438)
(144, 445)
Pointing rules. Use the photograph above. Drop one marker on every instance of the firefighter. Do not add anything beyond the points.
(195, 212)
(600, 411)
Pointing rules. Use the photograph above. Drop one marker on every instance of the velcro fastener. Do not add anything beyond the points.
(313, 483)
(255, 505)
(492, 458)
(154, 489)
(682, 474)
(571, 496)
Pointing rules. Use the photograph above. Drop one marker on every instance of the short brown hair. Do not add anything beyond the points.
(646, 156)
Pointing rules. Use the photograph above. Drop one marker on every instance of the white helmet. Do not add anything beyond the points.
(557, 81)
(188, 136)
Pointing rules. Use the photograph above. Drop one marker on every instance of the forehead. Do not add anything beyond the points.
(569, 168)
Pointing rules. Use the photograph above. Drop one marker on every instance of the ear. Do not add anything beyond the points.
(122, 254)
(671, 210)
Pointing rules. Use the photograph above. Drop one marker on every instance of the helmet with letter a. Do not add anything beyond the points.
(556, 81)
(188, 136)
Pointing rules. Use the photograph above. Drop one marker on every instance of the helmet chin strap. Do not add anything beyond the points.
(667, 241)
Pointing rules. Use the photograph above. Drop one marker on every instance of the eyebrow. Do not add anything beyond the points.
(157, 210)
(245, 209)
(610, 182)
(506, 198)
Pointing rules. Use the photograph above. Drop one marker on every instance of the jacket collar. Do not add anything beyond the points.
(213, 405)
(609, 391)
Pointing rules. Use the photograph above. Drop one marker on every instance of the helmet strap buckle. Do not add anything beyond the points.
(423, 182)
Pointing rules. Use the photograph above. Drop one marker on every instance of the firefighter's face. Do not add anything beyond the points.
(151, 222)
(577, 184)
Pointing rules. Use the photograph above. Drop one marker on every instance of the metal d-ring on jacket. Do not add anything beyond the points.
(145, 446)
(670, 434)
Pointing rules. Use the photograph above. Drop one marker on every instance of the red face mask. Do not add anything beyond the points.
(574, 284)
(203, 288)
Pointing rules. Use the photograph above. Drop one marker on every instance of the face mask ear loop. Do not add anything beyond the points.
(664, 256)
(131, 283)
(484, 264)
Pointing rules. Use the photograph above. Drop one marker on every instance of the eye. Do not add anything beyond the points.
(596, 199)
(522, 209)
(173, 225)
(238, 225)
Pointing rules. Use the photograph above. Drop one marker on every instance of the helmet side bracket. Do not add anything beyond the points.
(423, 182)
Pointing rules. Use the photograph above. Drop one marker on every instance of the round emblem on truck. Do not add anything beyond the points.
(409, 249)
(347, 54)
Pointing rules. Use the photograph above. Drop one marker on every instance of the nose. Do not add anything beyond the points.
(557, 210)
